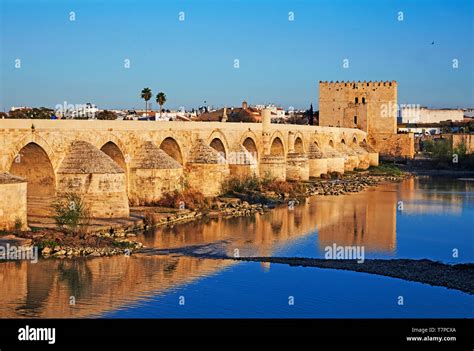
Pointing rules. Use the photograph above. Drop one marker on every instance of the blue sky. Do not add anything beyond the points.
(280, 61)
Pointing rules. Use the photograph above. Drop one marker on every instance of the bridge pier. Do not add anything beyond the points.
(363, 155)
(206, 170)
(335, 161)
(317, 163)
(89, 172)
(297, 166)
(152, 174)
(351, 160)
(242, 163)
(273, 167)
(13, 205)
(373, 155)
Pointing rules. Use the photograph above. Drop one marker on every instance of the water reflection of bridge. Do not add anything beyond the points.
(104, 284)
(98, 285)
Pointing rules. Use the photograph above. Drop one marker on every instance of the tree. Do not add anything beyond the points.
(316, 120)
(311, 115)
(146, 95)
(32, 113)
(108, 115)
(161, 99)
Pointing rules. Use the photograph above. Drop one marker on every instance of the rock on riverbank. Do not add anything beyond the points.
(54, 243)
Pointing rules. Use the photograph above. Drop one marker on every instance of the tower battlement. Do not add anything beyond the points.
(358, 84)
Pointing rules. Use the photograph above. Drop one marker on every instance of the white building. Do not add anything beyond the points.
(276, 112)
(417, 114)
(14, 108)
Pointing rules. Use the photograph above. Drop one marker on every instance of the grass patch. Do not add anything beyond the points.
(47, 243)
(386, 169)
(123, 244)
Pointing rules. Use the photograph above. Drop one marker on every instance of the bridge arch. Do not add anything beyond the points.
(218, 141)
(299, 145)
(172, 148)
(33, 163)
(277, 147)
(36, 139)
(354, 139)
(248, 137)
(116, 153)
(331, 143)
(251, 146)
(218, 145)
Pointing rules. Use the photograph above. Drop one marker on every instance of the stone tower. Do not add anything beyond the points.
(369, 106)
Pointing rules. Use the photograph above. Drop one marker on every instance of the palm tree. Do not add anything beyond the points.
(146, 95)
(161, 99)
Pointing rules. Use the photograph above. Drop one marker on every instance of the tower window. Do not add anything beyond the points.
(356, 100)
(363, 100)
(355, 120)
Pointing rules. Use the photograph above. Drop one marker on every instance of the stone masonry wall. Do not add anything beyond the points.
(395, 145)
(12, 205)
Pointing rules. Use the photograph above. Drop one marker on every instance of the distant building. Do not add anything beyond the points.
(14, 108)
(469, 113)
(71, 111)
(276, 112)
(234, 114)
(415, 114)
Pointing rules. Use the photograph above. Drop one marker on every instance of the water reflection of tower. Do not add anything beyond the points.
(366, 219)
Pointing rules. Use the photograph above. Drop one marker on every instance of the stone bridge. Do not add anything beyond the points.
(114, 163)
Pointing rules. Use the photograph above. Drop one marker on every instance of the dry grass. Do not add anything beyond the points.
(191, 199)
(279, 186)
(263, 185)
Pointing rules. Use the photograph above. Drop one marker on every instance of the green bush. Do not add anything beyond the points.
(47, 243)
(440, 149)
(18, 223)
(461, 151)
(387, 169)
(71, 213)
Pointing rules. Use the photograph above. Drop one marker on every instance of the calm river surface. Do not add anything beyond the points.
(419, 218)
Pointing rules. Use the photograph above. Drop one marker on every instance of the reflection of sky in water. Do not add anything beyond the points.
(249, 290)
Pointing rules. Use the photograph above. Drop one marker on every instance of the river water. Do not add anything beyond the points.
(419, 218)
